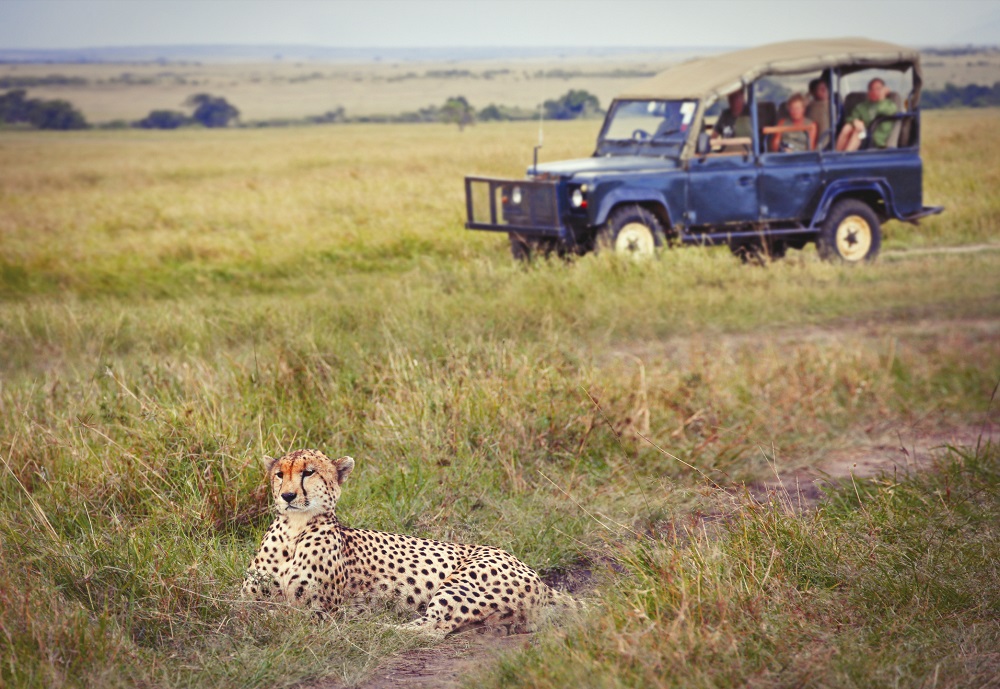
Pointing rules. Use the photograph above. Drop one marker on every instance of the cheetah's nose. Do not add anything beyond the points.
(289, 496)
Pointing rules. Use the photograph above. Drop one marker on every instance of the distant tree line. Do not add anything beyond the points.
(214, 111)
(458, 111)
(959, 51)
(19, 82)
(968, 96)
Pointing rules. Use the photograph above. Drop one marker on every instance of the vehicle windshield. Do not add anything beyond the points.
(649, 121)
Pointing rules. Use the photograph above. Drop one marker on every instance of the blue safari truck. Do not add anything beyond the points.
(762, 149)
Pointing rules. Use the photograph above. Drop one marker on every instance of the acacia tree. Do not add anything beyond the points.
(457, 110)
(16, 107)
(212, 111)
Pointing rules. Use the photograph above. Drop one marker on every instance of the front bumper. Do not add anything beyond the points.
(530, 208)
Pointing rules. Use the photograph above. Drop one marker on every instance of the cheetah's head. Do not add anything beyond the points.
(307, 482)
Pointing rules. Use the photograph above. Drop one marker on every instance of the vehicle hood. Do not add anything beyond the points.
(604, 164)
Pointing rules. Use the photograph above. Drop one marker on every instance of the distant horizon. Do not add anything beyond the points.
(172, 52)
(443, 24)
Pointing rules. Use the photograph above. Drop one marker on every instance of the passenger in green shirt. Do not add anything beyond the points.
(735, 120)
(863, 115)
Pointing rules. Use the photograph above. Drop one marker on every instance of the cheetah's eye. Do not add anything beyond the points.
(308, 472)
(278, 474)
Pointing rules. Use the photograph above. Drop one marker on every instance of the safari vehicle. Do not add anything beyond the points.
(661, 174)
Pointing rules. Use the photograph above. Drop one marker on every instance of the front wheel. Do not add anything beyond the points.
(631, 231)
(851, 233)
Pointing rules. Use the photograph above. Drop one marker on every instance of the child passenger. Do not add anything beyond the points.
(802, 139)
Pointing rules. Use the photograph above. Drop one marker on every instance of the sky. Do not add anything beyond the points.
(26, 24)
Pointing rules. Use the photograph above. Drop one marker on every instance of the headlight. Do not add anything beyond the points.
(576, 198)
(515, 196)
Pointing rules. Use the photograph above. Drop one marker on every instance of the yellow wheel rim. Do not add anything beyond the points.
(635, 240)
(854, 238)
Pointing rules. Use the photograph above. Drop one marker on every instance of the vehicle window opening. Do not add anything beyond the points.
(794, 112)
(887, 119)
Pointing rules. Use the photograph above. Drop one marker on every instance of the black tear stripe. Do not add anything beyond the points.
(302, 484)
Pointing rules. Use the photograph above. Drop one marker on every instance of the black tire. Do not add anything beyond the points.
(527, 249)
(851, 233)
(631, 231)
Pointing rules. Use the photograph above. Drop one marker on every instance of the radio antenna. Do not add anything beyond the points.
(541, 118)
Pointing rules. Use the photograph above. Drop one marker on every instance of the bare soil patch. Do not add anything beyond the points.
(444, 666)
(898, 454)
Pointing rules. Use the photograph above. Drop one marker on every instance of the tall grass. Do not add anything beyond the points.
(892, 582)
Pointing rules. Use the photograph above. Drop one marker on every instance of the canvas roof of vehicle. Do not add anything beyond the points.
(712, 77)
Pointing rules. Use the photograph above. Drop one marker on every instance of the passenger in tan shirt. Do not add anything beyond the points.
(818, 109)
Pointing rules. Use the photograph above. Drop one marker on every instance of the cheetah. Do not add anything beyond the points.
(308, 559)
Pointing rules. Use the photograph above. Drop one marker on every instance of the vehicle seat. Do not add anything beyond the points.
(906, 132)
(897, 126)
(767, 116)
(724, 113)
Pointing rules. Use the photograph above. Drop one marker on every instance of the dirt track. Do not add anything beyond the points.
(901, 450)
(448, 664)
(444, 666)
(939, 250)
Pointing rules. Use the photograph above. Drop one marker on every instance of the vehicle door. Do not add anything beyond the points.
(722, 186)
(722, 190)
(790, 185)
(790, 181)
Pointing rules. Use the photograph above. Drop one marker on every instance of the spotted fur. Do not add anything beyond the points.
(307, 558)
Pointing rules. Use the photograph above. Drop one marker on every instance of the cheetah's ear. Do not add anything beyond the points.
(267, 462)
(344, 465)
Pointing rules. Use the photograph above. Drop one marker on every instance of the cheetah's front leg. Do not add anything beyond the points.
(261, 585)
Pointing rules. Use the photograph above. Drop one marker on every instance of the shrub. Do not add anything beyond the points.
(212, 111)
(164, 119)
(16, 107)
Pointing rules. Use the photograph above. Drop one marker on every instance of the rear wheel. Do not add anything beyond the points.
(851, 233)
(631, 231)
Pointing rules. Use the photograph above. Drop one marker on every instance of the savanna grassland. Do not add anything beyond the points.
(292, 88)
(285, 89)
(175, 305)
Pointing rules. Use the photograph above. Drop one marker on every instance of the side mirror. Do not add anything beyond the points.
(704, 145)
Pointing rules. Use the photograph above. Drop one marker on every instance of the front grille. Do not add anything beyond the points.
(502, 205)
